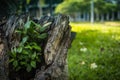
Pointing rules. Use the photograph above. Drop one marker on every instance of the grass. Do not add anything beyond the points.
(95, 52)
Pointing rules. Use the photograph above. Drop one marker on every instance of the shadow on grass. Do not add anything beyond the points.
(73, 35)
(95, 55)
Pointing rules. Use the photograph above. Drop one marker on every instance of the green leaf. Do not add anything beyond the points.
(33, 64)
(18, 31)
(11, 60)
(28, 68)
(13, 52)
(37, 25)
(34, 55)
(33, 43)
(42, 29)
(13, 55)
(22, 63)
(35, 32)
(15, 63)
(19, 49)
(24, 39)
(42, 36)
(45, 26)
(15, 49)
(25, 52)
(28, 47)
(27, 25)
(36, 47)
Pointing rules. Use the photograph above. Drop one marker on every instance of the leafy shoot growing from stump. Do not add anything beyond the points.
(28, 52)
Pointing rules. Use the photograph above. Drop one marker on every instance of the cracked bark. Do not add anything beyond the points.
(56, 51)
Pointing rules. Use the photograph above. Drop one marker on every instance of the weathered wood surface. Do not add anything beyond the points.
(55, 48)
(3, 56)
(55, 51)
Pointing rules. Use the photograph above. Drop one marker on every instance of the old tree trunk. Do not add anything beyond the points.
(54, 64)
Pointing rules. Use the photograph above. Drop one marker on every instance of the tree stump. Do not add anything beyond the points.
(54, 65)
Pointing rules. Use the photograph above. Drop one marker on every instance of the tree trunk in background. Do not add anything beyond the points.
(84, 16)
(97, 17)
(102, 17)
(75, 16)
(113, 16)
(108, 16)
(79, 16)
(39, 11)
(88, 17)
(92, 11)
(118, 15)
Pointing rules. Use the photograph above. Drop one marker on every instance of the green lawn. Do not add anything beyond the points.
(95, 52)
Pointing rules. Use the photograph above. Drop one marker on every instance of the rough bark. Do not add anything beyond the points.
(3, 56)
(6, 30)
(55, 49)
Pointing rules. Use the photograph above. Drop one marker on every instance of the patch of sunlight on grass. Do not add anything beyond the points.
(97, 26)
(113, 23)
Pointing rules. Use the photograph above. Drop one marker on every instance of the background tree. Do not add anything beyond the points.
(102, 8)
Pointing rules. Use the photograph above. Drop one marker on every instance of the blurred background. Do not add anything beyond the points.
(78, 10)
(95, 50)
(90, 10)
